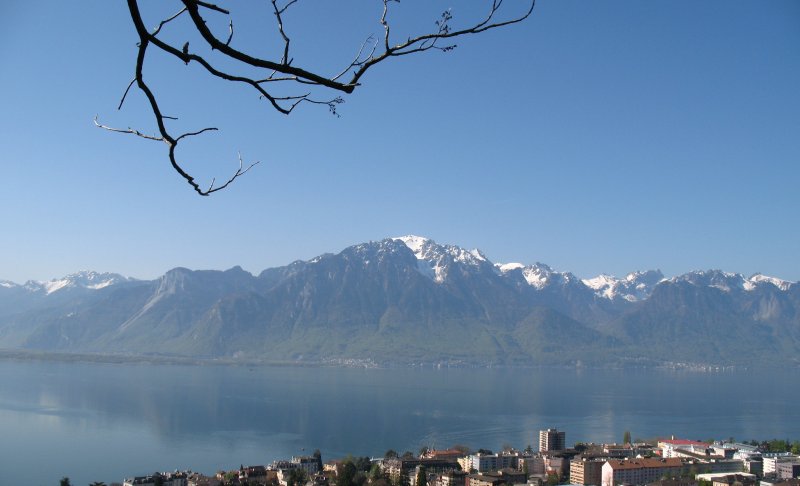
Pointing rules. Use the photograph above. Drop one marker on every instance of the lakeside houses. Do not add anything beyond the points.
(780, 464)
(779, 482)
(482, 462)
(667, 462)
(176, 478)
(405, 471)
(552, 440)
(674, 447)
(639, 471)
(717, 479)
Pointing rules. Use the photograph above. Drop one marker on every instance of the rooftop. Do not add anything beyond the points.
(645, 463)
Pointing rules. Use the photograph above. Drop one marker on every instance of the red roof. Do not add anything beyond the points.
(678, 442)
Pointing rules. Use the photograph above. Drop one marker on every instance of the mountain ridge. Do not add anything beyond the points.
(409, 299)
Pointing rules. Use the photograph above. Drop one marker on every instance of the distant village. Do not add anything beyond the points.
(661, 462)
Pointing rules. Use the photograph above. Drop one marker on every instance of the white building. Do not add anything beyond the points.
(639, 471)
(669, 446)
(771, 461)
(167, 479)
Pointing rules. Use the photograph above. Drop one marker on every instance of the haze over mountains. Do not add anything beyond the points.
(410, 300)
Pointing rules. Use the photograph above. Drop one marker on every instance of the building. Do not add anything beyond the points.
(735, 479)
(618, 451)
(309, 464)
(253, 473)
(448, 454)
(552, 440)
(451, 478)
(165, 479)
(779, 482)
(668, 447)
(533, 465)
(729, 479)
(753, 465)
(639, 471)
(484, 480)
(505, 476)
(489, 462)
(673, 482)
(788, 470)
(586, 470)
(399, 469)
(771, 461)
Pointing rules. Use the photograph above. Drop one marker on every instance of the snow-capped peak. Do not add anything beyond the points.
(727, 282)
(537, 275)
(414, 243)
(84, 279)
(507, 267)
(724, 281)
(434, 260)
(758, 278)
(634, 287)
(601, 281)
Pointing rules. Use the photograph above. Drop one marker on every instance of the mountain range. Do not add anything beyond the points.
(409, 300)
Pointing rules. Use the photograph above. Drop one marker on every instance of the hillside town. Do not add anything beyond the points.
(660, 462)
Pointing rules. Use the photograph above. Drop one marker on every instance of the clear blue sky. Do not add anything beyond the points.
(595, 137)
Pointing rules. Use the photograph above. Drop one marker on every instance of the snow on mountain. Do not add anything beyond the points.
(728, 282)
(634, 287)
(435, 260)
(7, 284)
(507, 267)
(724, 281)
(754, 281)
(603, 285)
(537, 275)
(84, 279)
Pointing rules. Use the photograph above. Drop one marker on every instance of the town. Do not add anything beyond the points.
(658, 462)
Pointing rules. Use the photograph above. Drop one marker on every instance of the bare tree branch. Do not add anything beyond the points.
(167, 20)
(283, 71)
(122, 100)
(127, 130)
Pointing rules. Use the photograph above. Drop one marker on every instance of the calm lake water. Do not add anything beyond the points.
(103, 422)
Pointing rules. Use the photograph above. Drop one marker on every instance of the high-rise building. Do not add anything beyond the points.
(552, 440)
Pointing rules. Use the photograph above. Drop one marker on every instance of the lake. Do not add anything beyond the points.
(103, 422)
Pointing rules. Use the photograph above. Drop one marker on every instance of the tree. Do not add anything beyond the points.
(422, 476)
(390, 454)
(348, 474)
(362, 464)
(97, 483)
(375, 473)
(626, 437)
(281, 82)
(461, 448)
(64, 482)
(297, 477)
(318, 458)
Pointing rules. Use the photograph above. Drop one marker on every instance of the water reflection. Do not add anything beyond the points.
(113, 420)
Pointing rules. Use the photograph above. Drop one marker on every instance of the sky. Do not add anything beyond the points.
(596, 137)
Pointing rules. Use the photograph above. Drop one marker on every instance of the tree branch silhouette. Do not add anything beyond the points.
(282, 73)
